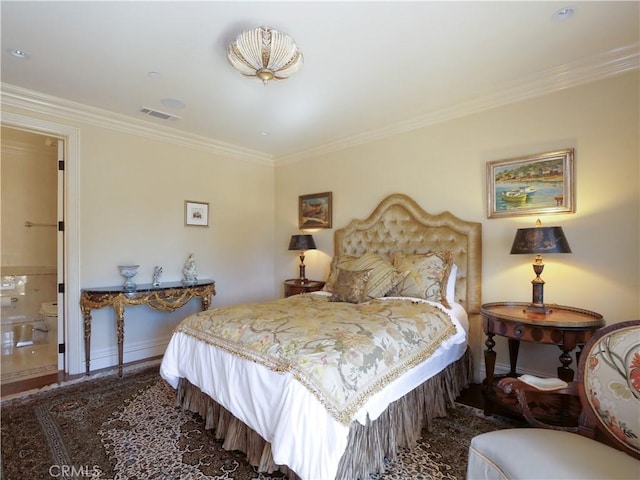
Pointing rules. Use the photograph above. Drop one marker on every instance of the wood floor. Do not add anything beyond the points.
(44, 380)
(33, 383)
(472, 396)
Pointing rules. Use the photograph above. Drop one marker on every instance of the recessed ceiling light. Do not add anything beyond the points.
(265, 134)
(19, 54)
(173, 103)
(154, 75)
(563, 14)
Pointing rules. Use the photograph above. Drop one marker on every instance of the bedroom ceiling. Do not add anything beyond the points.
(370, 68)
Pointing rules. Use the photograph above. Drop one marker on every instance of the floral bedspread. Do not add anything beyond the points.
(342, 352)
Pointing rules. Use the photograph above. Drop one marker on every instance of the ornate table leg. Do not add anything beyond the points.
(489, 365)
(208, 292)
(569, 343)
(565, 372)
(119, 309)
(86, 314)
(514, 348)
(206, 302)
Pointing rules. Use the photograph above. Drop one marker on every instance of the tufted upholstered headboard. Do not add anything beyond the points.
(399, 224)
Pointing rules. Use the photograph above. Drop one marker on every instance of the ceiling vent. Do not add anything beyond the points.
(158, 114)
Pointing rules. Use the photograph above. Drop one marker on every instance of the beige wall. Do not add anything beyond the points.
(443, 168)
(132, 211)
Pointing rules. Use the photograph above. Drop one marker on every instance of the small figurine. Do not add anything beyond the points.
(157, 273)
(189, 270)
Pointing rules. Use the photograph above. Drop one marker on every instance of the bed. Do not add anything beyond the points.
(322, 413)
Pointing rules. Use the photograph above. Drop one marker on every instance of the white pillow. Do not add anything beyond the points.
(451, 284)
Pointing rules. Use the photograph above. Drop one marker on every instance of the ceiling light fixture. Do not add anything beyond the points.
(265, 53)
(564, 14)
(19, 53)
(173, 103)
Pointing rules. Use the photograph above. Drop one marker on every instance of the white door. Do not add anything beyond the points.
(61, 266)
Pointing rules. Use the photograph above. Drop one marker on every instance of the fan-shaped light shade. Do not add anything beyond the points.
(265, 53)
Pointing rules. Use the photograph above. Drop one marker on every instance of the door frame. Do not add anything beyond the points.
(60, 297)
(73, 323)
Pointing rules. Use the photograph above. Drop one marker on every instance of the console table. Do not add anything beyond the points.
(167, 297)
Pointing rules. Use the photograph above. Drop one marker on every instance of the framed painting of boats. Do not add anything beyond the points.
(532, 185)
(314, 210)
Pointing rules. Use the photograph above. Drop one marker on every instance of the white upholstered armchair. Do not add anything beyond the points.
(608, 384)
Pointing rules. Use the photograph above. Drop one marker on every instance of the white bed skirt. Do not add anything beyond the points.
(368, 445)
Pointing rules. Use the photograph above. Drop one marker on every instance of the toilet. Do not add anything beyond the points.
(48, 317)
(22, 331)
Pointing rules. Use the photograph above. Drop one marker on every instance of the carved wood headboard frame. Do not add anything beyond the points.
(399, 224)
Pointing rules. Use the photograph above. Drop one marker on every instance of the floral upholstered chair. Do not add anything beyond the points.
(608, 385)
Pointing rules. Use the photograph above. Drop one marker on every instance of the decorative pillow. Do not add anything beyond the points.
(336, 262)
(427, 277)
(350, 286)
(383, 275)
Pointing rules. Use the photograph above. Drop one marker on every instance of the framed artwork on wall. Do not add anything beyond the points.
(196, 213)
(314, 210)
(532, 185)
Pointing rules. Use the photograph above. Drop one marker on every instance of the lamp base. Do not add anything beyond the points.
(302, 278)
(537, 302)
(538, 308)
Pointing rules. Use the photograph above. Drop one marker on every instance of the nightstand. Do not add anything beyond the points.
(294, 286)
(567, 327)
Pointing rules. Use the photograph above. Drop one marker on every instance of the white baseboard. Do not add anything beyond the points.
(133, 352)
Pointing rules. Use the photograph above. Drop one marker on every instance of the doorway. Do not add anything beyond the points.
(31, 265)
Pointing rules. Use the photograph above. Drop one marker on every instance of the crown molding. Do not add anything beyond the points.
(605, 65)
(41, 103)
(599, 67)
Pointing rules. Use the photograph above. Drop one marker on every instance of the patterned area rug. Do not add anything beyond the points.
(130, 428)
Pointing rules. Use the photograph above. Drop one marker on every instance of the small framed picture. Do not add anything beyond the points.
(533, 185)
(196, 213)
(314, 211)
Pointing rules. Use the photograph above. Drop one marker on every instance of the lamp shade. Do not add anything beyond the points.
(265, 53)
(302, 242)
(540, 240)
